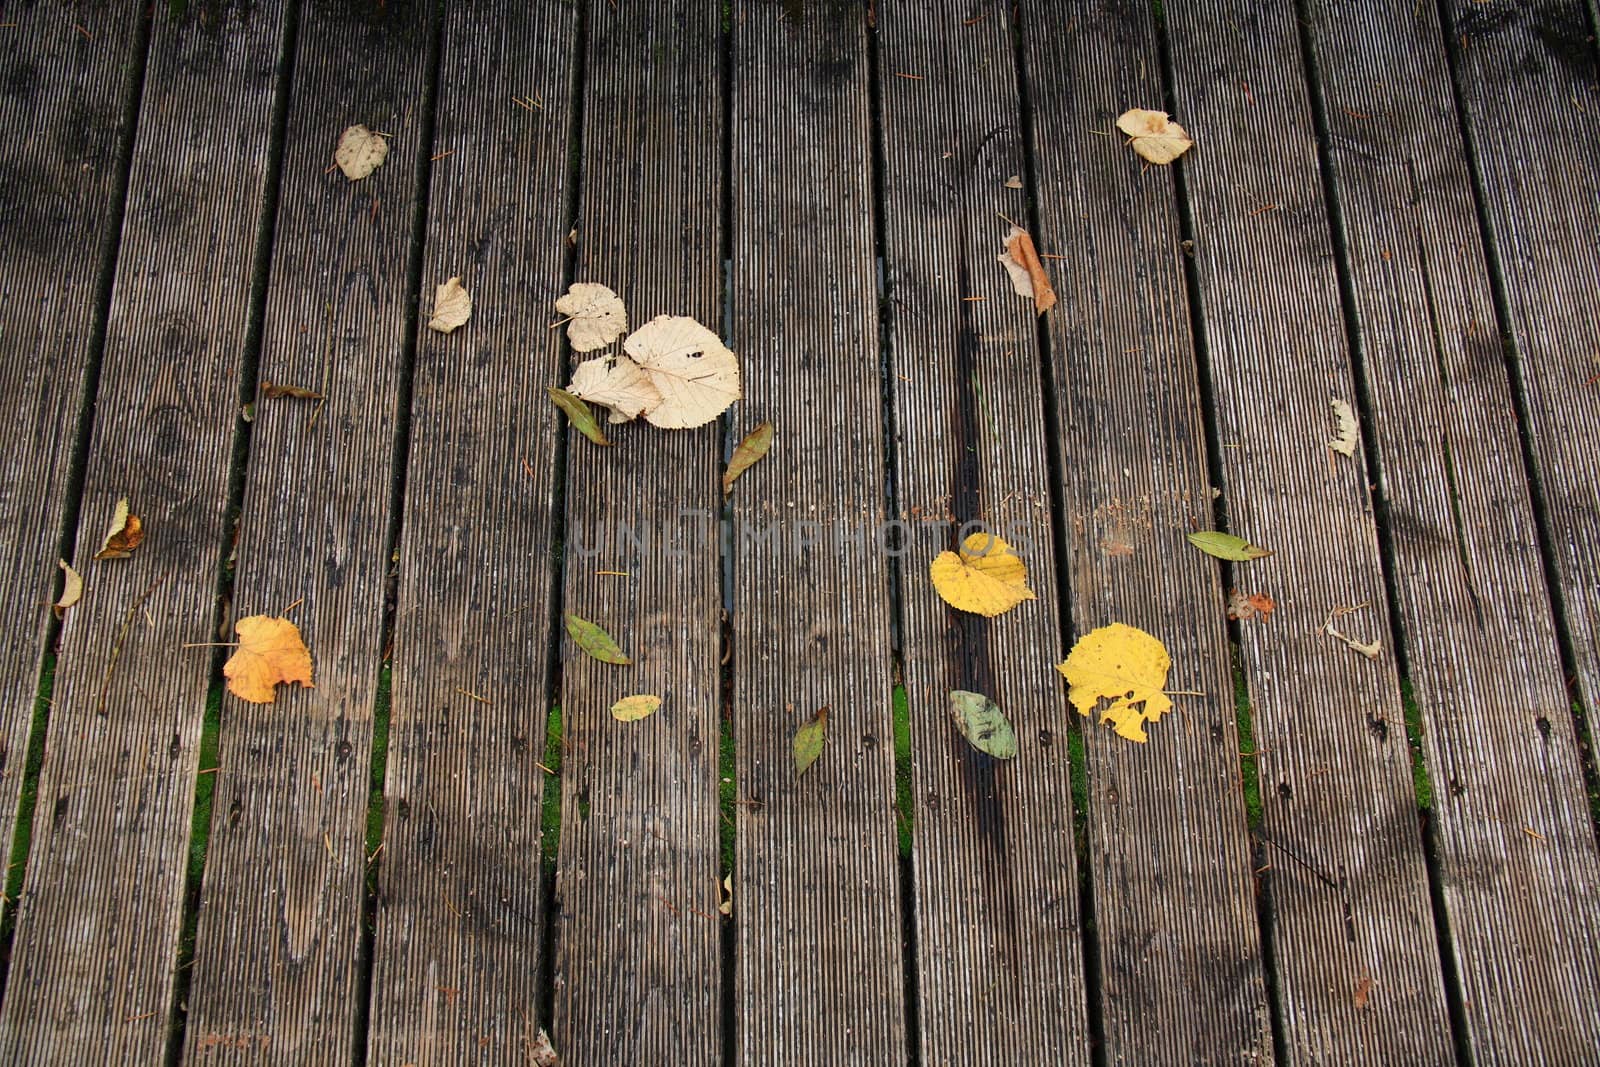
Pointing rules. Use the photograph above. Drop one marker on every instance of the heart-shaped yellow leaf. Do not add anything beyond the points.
(986, 577)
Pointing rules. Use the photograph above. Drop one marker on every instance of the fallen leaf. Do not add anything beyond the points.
(675, 372)
(1344, 438)
(636, 707)
(1021, 280)
(1014, 182)
(597, 316)
(360, 152)
(695, 373)
(71, 589)
(726, 907)
(749, 451)
(270, 651)
(1254, 606)
(452, 307)
(808, 740)
(544, 1054)
(578, 412)
(124, 535)
(985, 578)
(617, 383)
(983, 724)
(1364, 986)
(594, 641)
(1154, 135)
(1227, 546)
(1019, 246)
(1369, 649)
(274, 391)
(1126, 666)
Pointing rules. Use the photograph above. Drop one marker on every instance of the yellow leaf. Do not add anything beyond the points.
(631, 709)
(985, 578)
(270, 651)
(1126, 666)
(1154, 135)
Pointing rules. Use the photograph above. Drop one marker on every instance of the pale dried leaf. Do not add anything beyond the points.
(360, 152)
(71, 589)
(1021, 280)
(695, 373)
(598, 316)
(1344, 438)
(544, 1053)
(1014, 182)
(1154, 135)
(615, 382)
(452, 307)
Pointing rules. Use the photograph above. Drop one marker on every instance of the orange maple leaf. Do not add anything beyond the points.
(270, 651)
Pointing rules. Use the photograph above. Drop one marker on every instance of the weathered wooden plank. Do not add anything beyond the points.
(1351, 923)
(1515, 845)
(997, 910)
(817, 875)
(460, 902)
(279, 929)
(1167, 832)
(637, 969)
(64, 102)
(97, 934)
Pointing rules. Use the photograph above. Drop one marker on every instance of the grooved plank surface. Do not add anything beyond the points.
(460, 898)
(1516, 847)
(65, 105)
(637, 969)
(817, 886)
(996, 894)
(1166, 820)
(280, 906)
(1347, 904)
(1528, 87)
(91, 974)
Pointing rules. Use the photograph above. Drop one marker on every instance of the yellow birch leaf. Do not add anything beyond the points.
(270, 651)
(985, 577)
(1126, 666)
(636, 707)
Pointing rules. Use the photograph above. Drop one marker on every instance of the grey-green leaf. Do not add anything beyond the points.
(595, 641)
(578, 412)
(746, 455)
(1226, 546)
(808, 740)
(984, 725)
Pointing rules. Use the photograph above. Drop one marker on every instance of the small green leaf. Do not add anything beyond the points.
(1226, 546)
(983, 724)
(578, 412)
(631, 709)
(595, 641)
(808, 741)
(750, 450)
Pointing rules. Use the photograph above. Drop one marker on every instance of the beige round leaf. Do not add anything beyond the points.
(695, 373)
(1154, 135)
(616, 383)
(597, 315)
(360, 152)
(452, 306)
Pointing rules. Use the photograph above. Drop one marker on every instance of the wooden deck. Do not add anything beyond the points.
(449, 844)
